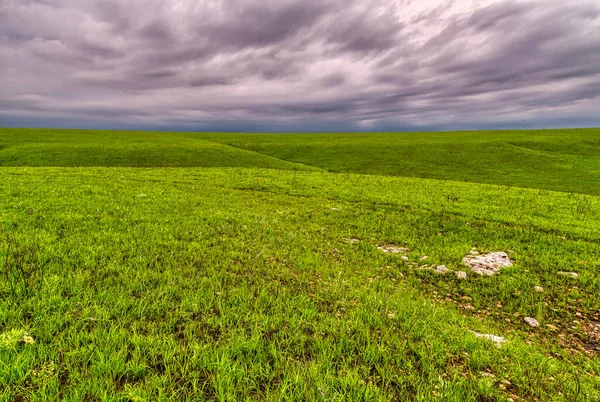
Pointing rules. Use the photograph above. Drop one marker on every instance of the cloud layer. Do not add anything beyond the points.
(299, 65)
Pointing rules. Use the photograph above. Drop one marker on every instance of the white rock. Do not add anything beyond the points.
(461, 274)
(440, 269)
(498, 340)
(404, 258)
(571, 274)
(488, 264)
(532, 322)
(424, 258)
(538, 289)
(391, 249)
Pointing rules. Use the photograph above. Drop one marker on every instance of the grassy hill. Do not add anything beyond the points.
(124, 276)
(560, 160)
(25, 147)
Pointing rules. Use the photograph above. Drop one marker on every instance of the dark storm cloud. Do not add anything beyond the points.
(259, 25)
(299, 65)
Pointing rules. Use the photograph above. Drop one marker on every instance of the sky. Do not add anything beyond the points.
(300, 65)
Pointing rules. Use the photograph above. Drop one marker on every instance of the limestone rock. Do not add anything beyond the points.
(532, 322)
(488, 264)
(461, 274)
(498, 340)
(391, 249)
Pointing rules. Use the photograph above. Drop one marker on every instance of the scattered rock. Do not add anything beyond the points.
(424, 258)
(593, 330)
(461, 274)
(391, 249)
(498, 340)
(488, 264)
(571, 274)
(440, 269)
(538, 289)
(485, 374)
(532, 322)
(474, 251)
(350, 240)
(404, 258)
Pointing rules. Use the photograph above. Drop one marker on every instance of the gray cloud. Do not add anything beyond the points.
(299, 65)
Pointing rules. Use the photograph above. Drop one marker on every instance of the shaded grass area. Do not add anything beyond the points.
(237, 284)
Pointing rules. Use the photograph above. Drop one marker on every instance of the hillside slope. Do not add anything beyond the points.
(71, 148)
(559, 160)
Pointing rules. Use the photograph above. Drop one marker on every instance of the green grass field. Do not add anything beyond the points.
(232, 267)
(559, 160)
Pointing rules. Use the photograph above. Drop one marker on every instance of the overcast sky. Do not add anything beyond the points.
(299, 65)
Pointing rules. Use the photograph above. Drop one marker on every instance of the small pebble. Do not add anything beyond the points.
(571, 274)
(532, 322)
(461, 274)
(498, 340)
